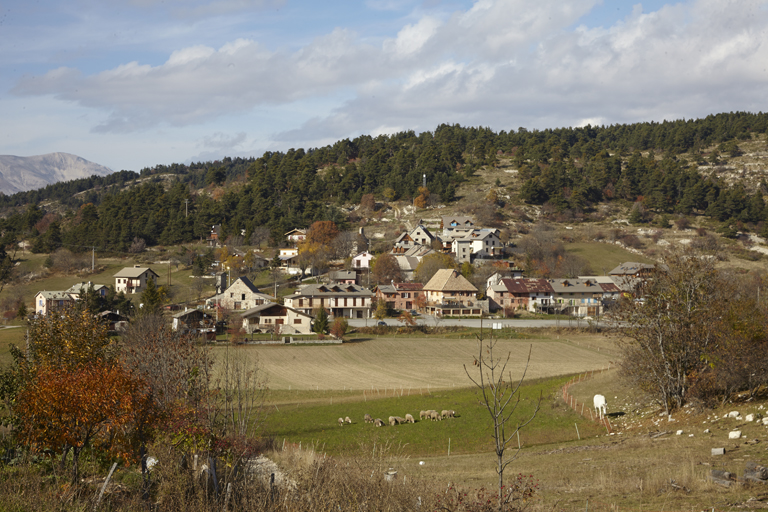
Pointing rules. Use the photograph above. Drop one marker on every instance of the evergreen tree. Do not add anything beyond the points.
(321, 321)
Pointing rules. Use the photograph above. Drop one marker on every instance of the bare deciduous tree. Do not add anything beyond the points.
(501, 399)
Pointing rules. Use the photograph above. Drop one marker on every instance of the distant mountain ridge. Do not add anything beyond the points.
(22, 173)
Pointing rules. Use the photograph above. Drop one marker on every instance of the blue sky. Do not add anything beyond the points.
(134, 83)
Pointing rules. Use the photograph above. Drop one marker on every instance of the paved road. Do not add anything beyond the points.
(473, 322)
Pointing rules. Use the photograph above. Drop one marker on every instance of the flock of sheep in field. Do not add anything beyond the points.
(397, 420)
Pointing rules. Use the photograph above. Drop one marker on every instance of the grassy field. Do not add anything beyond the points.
(382, 366)
(604, 257)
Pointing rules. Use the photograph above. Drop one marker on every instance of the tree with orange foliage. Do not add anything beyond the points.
(322, 232)
(422, 198)
(73, 408)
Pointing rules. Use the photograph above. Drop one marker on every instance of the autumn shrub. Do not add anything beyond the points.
(520, 493)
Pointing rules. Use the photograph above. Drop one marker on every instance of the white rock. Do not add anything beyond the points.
(733, 414)
(734, 434)
(739, 418)
(750, 417)
(690, 435)
(421, 463)
(765, 420)
(679, 433)
(706, 431)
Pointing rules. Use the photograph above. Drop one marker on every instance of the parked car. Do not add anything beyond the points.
(381, 323)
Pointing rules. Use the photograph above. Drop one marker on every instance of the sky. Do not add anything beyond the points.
(131, 84)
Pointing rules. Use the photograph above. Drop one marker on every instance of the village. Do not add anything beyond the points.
(352, 293)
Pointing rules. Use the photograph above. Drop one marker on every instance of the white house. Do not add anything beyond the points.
(276, 318)
(362, 260)
(45, 302)
(134, 279)
(340, 300)
(242, 294)
(477, 243)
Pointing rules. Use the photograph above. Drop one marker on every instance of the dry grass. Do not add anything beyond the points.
(394, 363)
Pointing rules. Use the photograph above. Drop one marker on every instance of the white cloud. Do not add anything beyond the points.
(499, 63)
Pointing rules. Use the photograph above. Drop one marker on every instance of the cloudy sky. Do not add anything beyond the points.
(133, 83)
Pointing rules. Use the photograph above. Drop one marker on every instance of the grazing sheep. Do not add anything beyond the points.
(435, 416)
(367, 418)
(451, 413)
(444, 413)
(347, 420)
(378, 422)
(392, 421)
(409, 419)
(400, 420)
(341, 422)
(422, 415)
(600, 405)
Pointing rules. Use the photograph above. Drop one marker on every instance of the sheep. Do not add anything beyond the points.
(378, 422)
(423, 414)
(435, 416)
(600, 405)
(347, 420)
(449, 413)
(409, 419)
(341, 422)
(444, 413)
(367, 418)
(392, 421)
(400, 420)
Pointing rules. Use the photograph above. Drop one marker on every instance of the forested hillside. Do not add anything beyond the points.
(568, 169)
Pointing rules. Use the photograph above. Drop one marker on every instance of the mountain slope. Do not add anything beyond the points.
(19, 173)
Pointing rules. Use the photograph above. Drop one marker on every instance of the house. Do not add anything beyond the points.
(450, 293)
(633, 269)
(419, 235)
(47, 302)
(276, 318)
(289, 261)
(611, 290)
(362, 260)
(450, 222)
(242, 294)
(476, 243)
(577, 297)
(100, 289)
(340, 300)
(113, 319)
(409, 258)
(506, 273)
(195, 321)
(134, 279)
(520, 294)
(214, 237)
(402, 296)
(296, 235)
(343, 277)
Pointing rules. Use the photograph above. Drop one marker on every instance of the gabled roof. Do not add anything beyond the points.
(75, 288)
(525, 286)
(55, 295)
(339, 275)
(631, 268)
(458, 220)
(248, 284)
(271, 307)
(134, 272)
(447, 279)
(319, 290)
(575, 286)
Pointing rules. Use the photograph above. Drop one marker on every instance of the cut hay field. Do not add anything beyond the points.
(411, 364)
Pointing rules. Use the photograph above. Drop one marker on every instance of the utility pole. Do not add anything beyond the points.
(186, 207)
(93, 259)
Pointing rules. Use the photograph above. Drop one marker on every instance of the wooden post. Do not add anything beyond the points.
(577, 431)
(449, 446)
(103, 487)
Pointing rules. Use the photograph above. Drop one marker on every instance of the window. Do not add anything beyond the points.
(242, 297)
(297, 320)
